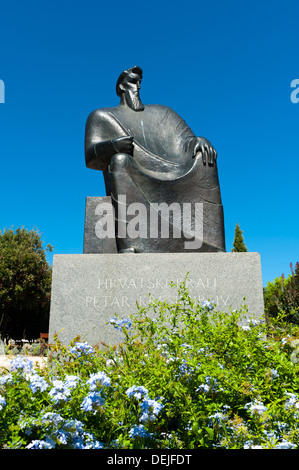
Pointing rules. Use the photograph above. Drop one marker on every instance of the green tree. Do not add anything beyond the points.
(282, 296)
(238, 243)
(274, 295)
(25, 284)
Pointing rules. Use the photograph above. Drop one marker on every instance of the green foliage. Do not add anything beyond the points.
(25, 284)
(184, 376)
(239, 245)
(282, 296)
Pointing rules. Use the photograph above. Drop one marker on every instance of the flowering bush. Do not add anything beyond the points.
(185, 376)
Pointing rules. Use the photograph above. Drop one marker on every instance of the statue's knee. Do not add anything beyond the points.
(119, 160)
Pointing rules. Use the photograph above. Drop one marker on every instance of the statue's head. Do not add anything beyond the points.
(128, 86)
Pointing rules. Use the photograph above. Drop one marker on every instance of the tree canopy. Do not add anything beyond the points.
(282, 296)
(25, 284)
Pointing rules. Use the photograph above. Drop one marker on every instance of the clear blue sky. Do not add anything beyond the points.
(225, 67)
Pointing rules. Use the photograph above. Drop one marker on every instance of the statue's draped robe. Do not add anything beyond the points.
(163, 169)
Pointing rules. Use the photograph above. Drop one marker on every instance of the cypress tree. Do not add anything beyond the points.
(238, 243)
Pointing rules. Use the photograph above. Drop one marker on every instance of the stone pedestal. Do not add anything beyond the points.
(92, 243)
(89, 289)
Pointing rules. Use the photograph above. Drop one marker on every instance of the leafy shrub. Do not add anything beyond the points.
(184, 376)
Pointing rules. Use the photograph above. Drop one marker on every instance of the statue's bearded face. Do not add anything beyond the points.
(131, 87)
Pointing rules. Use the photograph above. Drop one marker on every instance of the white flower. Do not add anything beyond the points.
(285, 339)
(285, 445)
(40, 445)
(245, 327)
(274, 373)
(2, 402)
(292, 400)
(251, 446)
(256, 406)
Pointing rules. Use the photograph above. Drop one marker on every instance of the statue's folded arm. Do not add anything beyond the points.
(98, 155)
(105, 136)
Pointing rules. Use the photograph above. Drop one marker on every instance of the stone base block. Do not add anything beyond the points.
(89, 289)
(92, 243)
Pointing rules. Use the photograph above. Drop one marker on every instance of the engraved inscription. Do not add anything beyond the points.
(117, 292)
(160, 283)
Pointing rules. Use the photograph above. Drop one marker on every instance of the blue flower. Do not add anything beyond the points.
(7, 378)
(218, 417)
(99, 377)
(87, 441)
(282, 426)
(60, 391)
(92, 401)
(209, 385)
(250, 322)
(26, 424)
(120, 324)
(203, 388)
(271, 436)
(62, 436)
(51, 418)
(71, 381)
(36, 444)
(37, 382)
(69, 433)
(74, 426)
(82, 348)
(21, 363)
(150, 409)
(207, 304)
(184, 368)
(137, 392)
(139, 431)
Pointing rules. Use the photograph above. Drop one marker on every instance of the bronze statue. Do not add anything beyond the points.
(150, 156)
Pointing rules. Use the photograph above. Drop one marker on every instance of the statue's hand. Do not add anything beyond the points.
(207, 150)
(123, 145)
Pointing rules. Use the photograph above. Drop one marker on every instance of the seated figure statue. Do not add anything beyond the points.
(149, 156)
